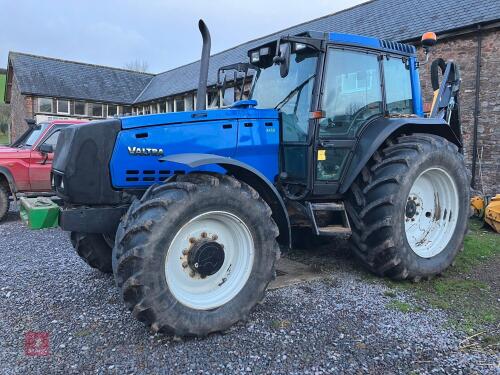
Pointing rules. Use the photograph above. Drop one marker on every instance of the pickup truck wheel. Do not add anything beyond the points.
(195, 256)
(4, 202)
(94, 249)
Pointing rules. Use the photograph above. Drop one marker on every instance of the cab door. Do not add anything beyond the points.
(41, 163)
(351, 96)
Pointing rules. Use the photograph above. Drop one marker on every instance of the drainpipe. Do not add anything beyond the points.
(476, 106)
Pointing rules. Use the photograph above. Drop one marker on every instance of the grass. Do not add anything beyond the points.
(464, 291)
(402, 306)
(4, 139)
(480, 245)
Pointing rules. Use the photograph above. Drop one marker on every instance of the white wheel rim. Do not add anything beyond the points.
(430, 227)
(213, 291)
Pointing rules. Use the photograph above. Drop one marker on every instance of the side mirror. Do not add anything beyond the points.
(283, 60)
(46, 148)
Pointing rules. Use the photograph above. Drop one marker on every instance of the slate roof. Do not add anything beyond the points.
(398, 20)
(68, 79)
(385, 19)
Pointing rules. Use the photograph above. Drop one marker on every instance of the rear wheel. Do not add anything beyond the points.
(94, 249)
(194, 256)
(4, 202)
(409, 207)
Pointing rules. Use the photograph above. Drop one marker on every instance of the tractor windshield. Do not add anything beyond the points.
(291, 95)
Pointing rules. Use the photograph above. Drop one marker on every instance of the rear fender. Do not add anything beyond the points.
(250, 176)
(376, 132)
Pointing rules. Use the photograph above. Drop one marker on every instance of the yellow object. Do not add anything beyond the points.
(492, 213)
(477, 205)
(321, 154)
(434, 99)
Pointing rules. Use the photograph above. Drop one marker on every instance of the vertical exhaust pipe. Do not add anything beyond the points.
(201, 94)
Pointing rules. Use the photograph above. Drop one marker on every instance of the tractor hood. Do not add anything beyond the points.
(244, 109)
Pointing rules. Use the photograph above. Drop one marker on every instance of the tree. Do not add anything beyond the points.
(4, 118)
(137, 65)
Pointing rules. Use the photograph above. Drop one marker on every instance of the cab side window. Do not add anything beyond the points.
(352, 92)
(52, 140)
(398, 93)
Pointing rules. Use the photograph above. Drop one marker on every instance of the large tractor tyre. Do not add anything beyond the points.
(195, 256)
(94, 249)
(4, 202)
(409, 207)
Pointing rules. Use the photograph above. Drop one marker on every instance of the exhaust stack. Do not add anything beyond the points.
(201, 97)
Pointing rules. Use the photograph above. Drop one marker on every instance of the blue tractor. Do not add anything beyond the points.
(189, 210)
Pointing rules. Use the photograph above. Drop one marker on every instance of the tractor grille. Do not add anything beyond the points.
(388, 44)
(149, 175)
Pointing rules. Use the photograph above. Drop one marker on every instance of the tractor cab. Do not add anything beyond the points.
(328, 87)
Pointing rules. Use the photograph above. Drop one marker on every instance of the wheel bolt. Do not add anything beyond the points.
(196, 265)
(204, 235)
(184, 264)
(192, 273)
(185, 252)
(192, 240)
(215, 237)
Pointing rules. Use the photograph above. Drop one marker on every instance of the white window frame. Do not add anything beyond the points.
(51, 105)
(57, 107)
(112, 105)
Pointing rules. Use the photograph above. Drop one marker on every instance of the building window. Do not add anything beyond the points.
(95, 110)
(63, 107)
(179, 105)
(163, 107)
(212, 99)
(154, 108)
(112, 110)
(80, 108)
(170, 106)
(126, 110)
(189, 102)
(45, 105)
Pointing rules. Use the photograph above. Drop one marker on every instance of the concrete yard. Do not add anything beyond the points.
(341, 321)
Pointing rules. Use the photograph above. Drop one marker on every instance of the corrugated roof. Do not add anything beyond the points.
(385, 19)
(68, 79)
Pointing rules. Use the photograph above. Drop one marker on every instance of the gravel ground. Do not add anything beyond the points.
(337, 325)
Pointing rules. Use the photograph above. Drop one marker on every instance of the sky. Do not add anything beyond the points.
(164, 34)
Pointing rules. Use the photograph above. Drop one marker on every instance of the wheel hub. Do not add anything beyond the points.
(206, 257)
(411, 208)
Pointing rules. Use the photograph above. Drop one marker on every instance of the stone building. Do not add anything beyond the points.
(468, 32)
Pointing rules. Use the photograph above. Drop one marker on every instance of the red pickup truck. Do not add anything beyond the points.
(25, 165)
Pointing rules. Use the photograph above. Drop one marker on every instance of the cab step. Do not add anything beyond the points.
(329, 219)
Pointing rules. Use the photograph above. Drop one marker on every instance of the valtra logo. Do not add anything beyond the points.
(145, 151)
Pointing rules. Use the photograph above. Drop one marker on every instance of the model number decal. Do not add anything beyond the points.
(145, 151)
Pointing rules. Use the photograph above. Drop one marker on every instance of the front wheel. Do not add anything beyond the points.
(4, 202)
(94, 249)
(194, 256)
(409, 208)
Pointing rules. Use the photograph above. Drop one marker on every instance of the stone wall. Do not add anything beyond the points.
(21, 108)
(463, 49)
